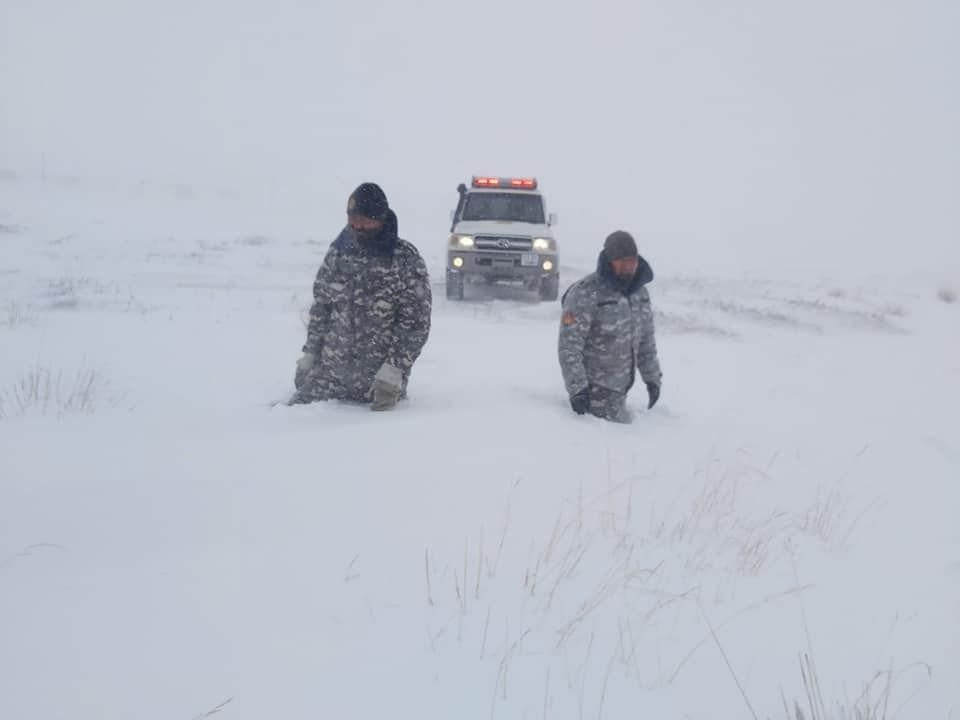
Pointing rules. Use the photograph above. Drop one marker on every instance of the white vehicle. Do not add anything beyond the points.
(502, 232)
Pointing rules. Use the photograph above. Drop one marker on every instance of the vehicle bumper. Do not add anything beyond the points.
(493, 265)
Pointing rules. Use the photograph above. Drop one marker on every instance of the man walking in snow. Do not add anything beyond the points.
(371, 312)
(607, 334)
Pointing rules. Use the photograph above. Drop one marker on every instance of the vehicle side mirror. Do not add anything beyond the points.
(552, 219)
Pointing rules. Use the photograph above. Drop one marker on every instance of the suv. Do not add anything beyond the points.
(501, 232)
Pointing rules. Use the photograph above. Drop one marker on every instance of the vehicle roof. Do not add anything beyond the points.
(515, 191)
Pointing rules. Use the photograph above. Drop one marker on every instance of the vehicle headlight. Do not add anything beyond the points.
(541, 243)
(462, 240)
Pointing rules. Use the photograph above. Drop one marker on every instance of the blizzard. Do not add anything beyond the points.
(777, 539)
(175, 542)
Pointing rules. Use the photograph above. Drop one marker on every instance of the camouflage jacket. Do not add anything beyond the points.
(606, 331)
(371, 305)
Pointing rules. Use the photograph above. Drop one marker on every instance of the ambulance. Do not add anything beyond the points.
(501, 232)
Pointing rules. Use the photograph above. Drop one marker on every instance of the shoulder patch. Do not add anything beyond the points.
(568, 318)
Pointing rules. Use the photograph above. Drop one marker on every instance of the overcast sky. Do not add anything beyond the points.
(715, 131)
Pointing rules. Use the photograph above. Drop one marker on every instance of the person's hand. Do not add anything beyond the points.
(653, 390)
(387, 386)
(303, 367)
(581, 401)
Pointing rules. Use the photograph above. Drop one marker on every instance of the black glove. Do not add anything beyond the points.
(581, 401)
(653, 390)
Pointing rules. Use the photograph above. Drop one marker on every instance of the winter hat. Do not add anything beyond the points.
(619, 244)
(369, 201)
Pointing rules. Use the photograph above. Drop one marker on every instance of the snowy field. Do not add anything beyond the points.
(173, 545)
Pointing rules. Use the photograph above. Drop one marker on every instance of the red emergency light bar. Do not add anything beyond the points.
(486, 182)
(516, 183)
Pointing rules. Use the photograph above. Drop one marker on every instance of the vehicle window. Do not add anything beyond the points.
(514, 207)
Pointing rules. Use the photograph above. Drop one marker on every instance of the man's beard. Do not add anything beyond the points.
(623, 281)
(366, 237)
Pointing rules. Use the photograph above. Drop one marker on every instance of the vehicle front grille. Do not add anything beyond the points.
(493, 242)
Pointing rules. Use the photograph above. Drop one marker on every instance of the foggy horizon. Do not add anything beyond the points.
(824, 133)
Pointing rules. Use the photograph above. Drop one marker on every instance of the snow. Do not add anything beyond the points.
(182, 547)
(174, 545)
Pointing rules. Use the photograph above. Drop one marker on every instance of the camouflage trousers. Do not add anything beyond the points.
(317, 387)
(609, 405)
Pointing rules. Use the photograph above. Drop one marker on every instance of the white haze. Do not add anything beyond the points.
(174, 546)
(746, 134)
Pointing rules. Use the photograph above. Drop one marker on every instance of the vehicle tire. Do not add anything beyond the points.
(454, 287)
(550, 288)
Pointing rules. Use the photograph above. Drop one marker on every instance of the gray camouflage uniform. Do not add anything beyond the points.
(606, 334)
(371, 306)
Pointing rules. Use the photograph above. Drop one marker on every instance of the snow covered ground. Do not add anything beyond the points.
(175, 546)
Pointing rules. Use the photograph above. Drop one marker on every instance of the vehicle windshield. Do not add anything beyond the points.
(515, 207)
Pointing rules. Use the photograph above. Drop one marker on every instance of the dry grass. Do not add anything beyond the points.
(894, 309)
(872, 703)
(47, 392)
(15, 315)
(608, 572)
(214, 711)
(65, 293)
